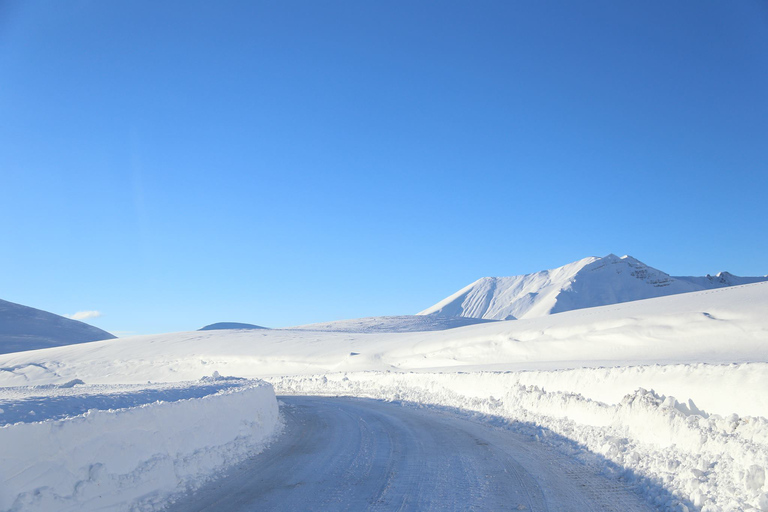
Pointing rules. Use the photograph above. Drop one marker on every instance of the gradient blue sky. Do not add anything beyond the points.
(173, 164)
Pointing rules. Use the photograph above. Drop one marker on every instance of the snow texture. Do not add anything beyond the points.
(708, 462)
(120, 456)
(582, 284)
(727, 325)
(602, 378)
(25, 328)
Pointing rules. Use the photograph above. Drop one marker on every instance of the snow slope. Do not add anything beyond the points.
(698, 427)
(229, 325)
(583, 284)
(25, 328)
(727, 326)
(402, 323)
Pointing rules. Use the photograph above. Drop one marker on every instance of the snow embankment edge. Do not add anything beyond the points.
(133, 458)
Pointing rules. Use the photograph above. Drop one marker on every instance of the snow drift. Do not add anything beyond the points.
(133, 458)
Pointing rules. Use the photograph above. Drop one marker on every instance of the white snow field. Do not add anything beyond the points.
(668, 394)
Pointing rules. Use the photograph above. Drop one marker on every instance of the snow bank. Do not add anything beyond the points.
(133, 458)
(709, 462)
(714, 388)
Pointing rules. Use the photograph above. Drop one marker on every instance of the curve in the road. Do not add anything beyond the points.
(356, 454)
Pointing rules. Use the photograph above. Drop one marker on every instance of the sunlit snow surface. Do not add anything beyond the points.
(51, 402)
(391, 324)
(578, 373)
(116, 447)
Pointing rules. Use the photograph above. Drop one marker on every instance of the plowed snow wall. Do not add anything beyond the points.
(135, 458)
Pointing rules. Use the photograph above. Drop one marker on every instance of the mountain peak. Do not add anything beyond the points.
(585, 283)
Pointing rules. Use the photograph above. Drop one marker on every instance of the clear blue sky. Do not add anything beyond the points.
(173, 164)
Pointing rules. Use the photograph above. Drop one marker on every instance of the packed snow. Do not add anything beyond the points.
(669, 390)
(348, 454)
(582, 284)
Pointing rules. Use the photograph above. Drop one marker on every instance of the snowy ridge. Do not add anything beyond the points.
(509, 298)
(133, 458)
(586, 283)
(25, 328)
(230, 325)
(709, 462)
(721, 279)
(402, 323)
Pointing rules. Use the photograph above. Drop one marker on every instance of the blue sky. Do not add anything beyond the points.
(173, 164)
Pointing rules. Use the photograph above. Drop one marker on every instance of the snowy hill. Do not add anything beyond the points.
(668, 389)
(402, 323)
(230, 325)
(582, 284)
(24, 328)
(680, 329)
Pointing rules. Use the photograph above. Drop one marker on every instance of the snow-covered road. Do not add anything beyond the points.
(361, 454)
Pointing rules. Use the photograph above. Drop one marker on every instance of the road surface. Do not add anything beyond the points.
(356, 454)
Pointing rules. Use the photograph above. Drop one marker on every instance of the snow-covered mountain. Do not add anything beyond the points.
(582, 284)
(24, 328)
